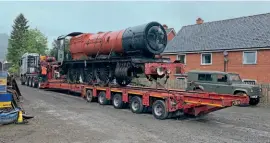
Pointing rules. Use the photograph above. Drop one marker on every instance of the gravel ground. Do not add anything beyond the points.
(61, 118)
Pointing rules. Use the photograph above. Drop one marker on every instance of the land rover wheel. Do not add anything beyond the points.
(254, 101)
(159, 110)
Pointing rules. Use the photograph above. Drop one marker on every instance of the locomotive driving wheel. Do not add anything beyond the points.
(73, 75)
(88, 76)
(102, 75)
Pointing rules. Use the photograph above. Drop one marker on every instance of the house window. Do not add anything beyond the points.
(181, 58)
(206, 58)
(250, 57)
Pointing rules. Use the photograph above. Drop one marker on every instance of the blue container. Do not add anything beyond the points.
(5, 97)
(9, 117)
(3, 81)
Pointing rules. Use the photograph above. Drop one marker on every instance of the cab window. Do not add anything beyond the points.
(205, 77)
(222, 78)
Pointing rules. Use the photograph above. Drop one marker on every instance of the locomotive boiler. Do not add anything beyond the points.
(120, 55)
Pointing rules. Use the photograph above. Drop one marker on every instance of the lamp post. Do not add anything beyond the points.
(225, 54)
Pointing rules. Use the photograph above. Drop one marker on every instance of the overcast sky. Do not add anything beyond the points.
(58, 18)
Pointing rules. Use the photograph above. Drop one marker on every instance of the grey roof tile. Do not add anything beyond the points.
(244, 32)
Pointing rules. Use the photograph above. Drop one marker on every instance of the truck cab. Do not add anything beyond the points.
(222, 83)
(29, 67)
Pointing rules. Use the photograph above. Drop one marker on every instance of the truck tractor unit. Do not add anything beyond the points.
(32, 66)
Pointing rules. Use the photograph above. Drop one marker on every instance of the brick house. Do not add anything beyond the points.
(239, 45)
(170, 32)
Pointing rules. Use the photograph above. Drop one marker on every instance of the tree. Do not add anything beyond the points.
(17, 42)
(36, 42)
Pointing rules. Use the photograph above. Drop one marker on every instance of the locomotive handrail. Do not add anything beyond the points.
(73, 34)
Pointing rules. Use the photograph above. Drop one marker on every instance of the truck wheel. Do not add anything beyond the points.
(38, 85)
(89, 96)
(159, 110)
(102, 98)
(32, 82)
(117, 101)
(136, 105)
(27, 81)
(254, 101)
(35, 85)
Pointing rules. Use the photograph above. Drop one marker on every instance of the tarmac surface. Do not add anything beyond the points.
(62, 118)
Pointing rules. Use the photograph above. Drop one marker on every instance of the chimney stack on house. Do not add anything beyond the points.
(165, 26)
(199, 21)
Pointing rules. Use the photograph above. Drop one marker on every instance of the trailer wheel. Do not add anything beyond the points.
(89, 96)
(102, 98)
(136, 105)
(117, 101)
(159, 110)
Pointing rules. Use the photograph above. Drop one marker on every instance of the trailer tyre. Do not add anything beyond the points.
(102, 98)
(136, 105)
(117, 101)
(89, 96)
(159, 110)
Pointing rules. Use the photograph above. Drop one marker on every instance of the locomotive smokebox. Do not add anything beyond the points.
(148, 39)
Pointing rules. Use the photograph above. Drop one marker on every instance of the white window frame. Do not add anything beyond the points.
(243, 61)
(185, 60)
(206, 63)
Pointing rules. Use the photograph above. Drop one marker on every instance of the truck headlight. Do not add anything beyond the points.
(251, 90)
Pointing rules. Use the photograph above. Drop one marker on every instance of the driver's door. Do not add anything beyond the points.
(222, 84)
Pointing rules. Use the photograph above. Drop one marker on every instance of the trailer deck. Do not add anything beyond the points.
(165, 103)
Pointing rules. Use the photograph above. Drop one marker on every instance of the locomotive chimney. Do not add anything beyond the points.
(199, 21)
(165, 26)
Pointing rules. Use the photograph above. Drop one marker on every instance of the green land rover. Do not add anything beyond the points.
(223, 83)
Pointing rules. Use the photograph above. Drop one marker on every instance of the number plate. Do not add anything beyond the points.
(255, 96)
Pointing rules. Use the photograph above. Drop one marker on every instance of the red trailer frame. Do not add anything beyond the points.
(165, 103)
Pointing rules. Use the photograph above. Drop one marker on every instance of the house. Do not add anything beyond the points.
(239, 45)
(170, 32)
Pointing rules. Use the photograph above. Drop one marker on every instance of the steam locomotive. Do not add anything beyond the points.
(121, 55)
